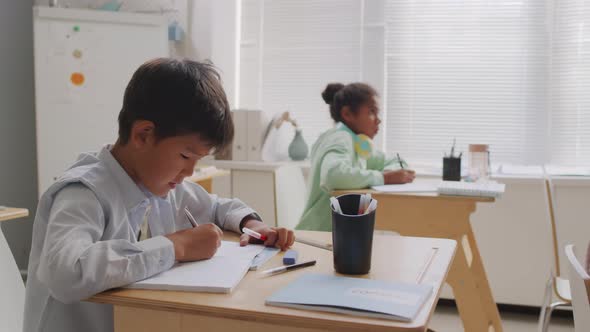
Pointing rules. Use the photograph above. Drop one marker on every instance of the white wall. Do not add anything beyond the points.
(212, 34)
(514, 235)
(18, 165)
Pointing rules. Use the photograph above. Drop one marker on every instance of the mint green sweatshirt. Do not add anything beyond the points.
(335, 165)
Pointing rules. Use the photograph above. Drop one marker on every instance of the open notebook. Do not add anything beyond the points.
(219, 274)
(353, 296)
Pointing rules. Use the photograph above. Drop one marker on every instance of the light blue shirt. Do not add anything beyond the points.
(85, 240)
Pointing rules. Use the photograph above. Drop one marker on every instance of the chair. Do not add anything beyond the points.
(555, 283)
(12, 301)
(579, 282)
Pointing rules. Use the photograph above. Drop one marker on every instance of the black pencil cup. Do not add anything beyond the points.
(352, 236)
(451, 169)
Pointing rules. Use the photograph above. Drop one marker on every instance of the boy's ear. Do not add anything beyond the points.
(142, 133)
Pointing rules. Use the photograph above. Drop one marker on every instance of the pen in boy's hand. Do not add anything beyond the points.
(190, 218)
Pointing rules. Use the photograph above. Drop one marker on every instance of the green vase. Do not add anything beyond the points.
(298, 148)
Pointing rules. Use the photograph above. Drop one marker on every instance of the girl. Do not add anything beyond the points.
(342, 157)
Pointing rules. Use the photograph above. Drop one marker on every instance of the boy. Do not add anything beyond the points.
(118, 216)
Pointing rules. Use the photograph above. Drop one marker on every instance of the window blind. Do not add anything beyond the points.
(570, 83)
(471, 70)
(291, 49)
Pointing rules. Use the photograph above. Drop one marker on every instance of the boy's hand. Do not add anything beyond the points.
(399, 177)
(196, 243)
(279, 237)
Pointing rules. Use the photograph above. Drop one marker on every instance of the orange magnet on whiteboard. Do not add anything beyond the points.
(77, 78)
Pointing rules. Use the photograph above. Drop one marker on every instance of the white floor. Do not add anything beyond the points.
(446, 319)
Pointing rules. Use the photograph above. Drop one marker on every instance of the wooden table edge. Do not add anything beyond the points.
(10, 213)
(415, 195)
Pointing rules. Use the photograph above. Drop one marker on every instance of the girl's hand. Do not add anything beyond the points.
(399, 177)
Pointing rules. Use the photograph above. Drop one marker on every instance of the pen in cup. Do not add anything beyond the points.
(335, 204)
(372, 206)
(190, 218)
(364, 201)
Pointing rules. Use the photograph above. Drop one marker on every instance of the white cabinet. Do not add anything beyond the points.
(249, 126)
(258, 190)
(277, 191)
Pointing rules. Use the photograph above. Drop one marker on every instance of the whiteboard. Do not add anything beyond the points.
(83, 62)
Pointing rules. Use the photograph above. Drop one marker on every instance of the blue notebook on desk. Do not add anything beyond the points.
(354, 296)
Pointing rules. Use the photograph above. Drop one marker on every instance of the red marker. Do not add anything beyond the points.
(254, 234)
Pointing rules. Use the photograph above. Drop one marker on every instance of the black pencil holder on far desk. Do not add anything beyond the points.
(451, 169)
(352, 236)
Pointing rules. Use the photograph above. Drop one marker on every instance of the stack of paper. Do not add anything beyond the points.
(477, 189)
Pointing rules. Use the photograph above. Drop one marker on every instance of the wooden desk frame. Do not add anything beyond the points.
(433, 215)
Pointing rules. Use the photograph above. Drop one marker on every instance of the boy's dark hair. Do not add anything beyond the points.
(180, 97)
(353, 95)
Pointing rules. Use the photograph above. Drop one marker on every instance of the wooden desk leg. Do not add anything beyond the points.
(483, 285)
(472, 292)
(451, 220)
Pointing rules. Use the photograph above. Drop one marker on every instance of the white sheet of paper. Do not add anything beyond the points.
(511, 169)
(423, 186)
(219, 274)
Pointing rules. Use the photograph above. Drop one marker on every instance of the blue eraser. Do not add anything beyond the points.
(290, 257)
